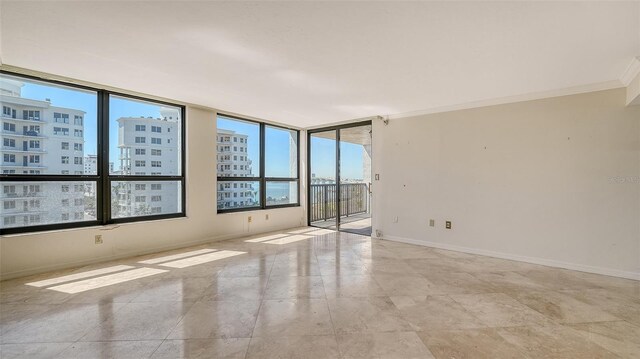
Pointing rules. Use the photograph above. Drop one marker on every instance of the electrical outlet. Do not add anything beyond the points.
(98, 239)
(447, 224)
(395, 219)
(266, 217)
(377, 177)
(249, 219)
(432, 223)
(378, 233)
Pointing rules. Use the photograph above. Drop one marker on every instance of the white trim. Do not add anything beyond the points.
(600, 86)
(515, 257)
(631, 72)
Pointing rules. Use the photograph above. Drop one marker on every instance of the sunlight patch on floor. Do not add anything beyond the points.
(266, 238)
(106, 280)
(72, 277)
(204, 258)
(176, 256)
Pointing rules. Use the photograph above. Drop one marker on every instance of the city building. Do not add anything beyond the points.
(233, 161)
(40, 138)
(147, 146)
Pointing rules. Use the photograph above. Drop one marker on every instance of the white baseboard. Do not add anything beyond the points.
(515, 257)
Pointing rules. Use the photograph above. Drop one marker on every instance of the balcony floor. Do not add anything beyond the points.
(355, 223)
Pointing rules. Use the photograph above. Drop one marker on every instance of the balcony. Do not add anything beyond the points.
(22, 119)
(22, 150)
(355, 211)
(31, 134)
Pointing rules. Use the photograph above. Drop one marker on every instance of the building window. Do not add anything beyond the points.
(266, 174)
(61, 131)
(167, 174)
(9, 127)
(60, 117)
(9, 158)
(71, 110)
(33, 115)
(9, 204)
(141, 128)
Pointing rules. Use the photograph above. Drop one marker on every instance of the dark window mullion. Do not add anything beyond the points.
(263, 183)
(104, 195)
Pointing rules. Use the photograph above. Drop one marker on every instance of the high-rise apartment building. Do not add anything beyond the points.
(40, 138)
(233, 161)
(148, 146)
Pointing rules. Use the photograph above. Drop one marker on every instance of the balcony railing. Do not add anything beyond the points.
(354, 199)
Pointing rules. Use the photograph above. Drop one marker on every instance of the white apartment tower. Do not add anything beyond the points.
(39, 138)
(148, 146)
(233, 161)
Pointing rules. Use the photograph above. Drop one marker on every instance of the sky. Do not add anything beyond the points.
(323, 159)
(277, 141)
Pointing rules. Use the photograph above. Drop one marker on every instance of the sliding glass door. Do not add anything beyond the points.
(340, 178)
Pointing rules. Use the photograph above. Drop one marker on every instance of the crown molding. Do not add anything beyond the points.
(600, 86)
(631, 72)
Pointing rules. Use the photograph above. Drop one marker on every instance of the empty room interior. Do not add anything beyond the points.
(310, 179)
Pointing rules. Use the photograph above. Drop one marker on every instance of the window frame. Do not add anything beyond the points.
(103, 178)
(261, 179)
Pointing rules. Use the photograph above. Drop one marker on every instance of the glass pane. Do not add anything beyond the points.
(144, 138)
(323, 202)
(145, 198)
(238, 194)
(279, 192)
(281, 152)
(37, 203)
(238, 148)
(46, 129)
(355, 179)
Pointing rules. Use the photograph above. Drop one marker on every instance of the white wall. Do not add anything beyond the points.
(37, 252)
(553, 181)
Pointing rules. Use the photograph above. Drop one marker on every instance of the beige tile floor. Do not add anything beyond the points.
(315, 293)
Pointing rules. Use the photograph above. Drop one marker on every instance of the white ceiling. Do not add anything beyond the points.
(312, 63)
